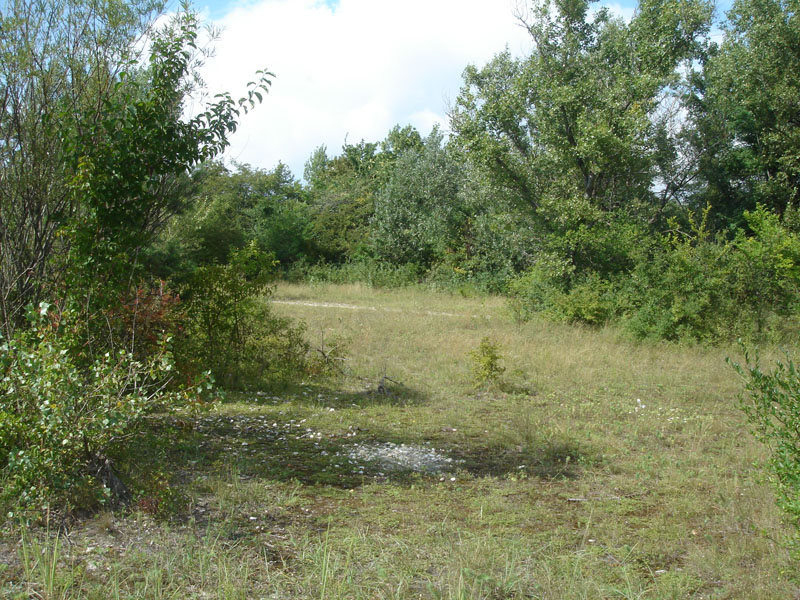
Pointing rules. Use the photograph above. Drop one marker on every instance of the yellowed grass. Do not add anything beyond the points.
(672, 471)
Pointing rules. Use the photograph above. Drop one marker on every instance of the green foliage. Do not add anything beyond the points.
(231, 329)
(417, 214)
(57, 419)
(543, 289)
(96, 156)
(772, 406)
(746, 111)
(96, 148)
(124, 163)
(591, 301)
(766, 269)
(580, 119)
(369, 271)
(702, 288)
(231, 208)
(61, 65)
(491, 238)
(685, 286)
(285, 233)
(538, 289)
(344, 190)
(683, 290)
(342, 196)
(486, 368)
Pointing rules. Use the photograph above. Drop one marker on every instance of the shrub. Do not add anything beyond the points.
(486, 367)
(58, 420)
(591, 301)
(772, 406)
(540, 288)
(766, 270)
(682, 290)
(231, 329)
(141, 318)
(682, 293)
(369, 271)
(695, 287)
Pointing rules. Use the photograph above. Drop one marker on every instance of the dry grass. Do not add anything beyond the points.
(597, 468)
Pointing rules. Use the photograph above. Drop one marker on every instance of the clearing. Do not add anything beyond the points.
(596, 468)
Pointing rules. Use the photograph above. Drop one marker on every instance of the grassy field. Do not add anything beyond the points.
(594, 468)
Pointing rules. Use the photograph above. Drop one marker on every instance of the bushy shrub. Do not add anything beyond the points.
(58, 420)
(695, 287)
(231, 329)
(141, 318)
(461, 277)
(772, 406)
(285, 233)
(591, 301)
(682, 293)
(765, 270)
(540, 288)
(486, 368)
(684, 286)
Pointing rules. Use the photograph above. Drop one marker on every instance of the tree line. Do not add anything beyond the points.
(629, 172)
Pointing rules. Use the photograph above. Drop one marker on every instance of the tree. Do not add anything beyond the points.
(60, 60)
(745, 107)
(417, 212)
(94, 143)
(576, 126)
(341, 197)
(228, 210)
(92, 147)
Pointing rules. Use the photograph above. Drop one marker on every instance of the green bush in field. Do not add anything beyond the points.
(551, 288)
(682, 293)
(58, 420)
(697, 287)
(538, 289)
(232, 331)
(766, 269)
(369, 271)
(486, 367)
(772, 406)
(591, 301)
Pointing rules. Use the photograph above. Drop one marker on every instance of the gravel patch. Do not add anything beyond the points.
(403, 457)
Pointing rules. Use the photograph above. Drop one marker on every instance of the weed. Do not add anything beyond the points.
(44, 577)
(773, 411)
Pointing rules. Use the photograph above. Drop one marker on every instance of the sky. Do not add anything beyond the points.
(347, 70)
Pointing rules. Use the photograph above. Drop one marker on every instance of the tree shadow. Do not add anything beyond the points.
(285, 448)
(380, 392)
(266, 447)
(546, 460)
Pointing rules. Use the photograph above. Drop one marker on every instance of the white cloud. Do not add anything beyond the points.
(354, 70)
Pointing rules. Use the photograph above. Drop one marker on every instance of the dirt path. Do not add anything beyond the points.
(432, 313)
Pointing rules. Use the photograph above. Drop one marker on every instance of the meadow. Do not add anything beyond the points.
(592, 467)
